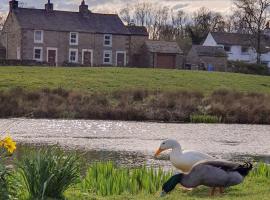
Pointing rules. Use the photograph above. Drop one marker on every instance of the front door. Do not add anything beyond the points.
(52, 57)
(87, 58)
(120, 60)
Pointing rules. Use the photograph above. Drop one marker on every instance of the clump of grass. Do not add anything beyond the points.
(4, 194)
(205, 119)
(47, 173)
(261, 170)
(106, 179)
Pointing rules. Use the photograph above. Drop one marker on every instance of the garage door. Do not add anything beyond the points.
(165, 61)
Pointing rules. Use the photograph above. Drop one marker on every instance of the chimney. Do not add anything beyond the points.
(13, 5)
(83, 9)
(49, 6)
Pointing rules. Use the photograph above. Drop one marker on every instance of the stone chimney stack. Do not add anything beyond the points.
(13, 4)
(83, 9)
(49, 6)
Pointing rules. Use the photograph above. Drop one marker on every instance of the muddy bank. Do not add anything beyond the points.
(137, 105)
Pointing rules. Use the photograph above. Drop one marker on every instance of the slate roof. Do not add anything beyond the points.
(246, 40)
(30, 18)
(211, 51)
(138, 30)
(232, 38)
(163, 47)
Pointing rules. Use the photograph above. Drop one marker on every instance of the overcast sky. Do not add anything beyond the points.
(113, 6)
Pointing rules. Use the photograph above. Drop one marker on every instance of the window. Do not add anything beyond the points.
(38, 36)
(107, 57)
(244, 50)
(73, 55)
(227, 48)
(38, 54)
(74, 38)
(108, 40)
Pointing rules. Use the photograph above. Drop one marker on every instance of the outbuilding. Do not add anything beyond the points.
(210, 58)
(162, 54)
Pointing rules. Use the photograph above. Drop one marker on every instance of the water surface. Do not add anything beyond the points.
(134, 143)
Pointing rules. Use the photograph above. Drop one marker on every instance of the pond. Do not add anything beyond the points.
(134, 143)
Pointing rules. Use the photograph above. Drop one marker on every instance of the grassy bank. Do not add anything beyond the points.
(50, 173)
(221, 106)
(251, 189)
(115, 79)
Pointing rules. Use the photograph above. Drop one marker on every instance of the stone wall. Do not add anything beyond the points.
(11, 36)
(219, 63)
(136, 43)
(60, 40)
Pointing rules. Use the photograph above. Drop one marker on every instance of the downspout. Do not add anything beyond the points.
(6, 45)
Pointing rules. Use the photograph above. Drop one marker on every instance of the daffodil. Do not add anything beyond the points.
(8, 144)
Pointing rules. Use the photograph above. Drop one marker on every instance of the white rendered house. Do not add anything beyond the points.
(239, 46)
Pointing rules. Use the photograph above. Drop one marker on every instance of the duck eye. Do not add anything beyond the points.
(163, 143)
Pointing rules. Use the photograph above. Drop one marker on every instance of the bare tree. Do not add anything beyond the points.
(2, 21)
(179, 20)
(125, 15)
(202, 22)
(255, 15)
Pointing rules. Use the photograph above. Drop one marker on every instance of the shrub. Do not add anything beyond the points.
(248, 68)
(48, 172)
(107, 179)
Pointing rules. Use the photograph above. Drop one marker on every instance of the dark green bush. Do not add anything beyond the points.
(248, 68)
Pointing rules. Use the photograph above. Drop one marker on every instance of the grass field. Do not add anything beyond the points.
(111, 79)
(252, 189)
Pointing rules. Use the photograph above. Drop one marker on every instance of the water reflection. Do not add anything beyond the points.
(134, 143)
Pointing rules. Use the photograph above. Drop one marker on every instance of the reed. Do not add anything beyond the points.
(261, 170)
(47, 173)
(107, 179)
(205, 119)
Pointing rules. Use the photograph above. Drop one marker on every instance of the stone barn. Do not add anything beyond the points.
(161, 54)
(210, 58)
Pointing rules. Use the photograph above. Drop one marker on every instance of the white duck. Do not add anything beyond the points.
(183, 160)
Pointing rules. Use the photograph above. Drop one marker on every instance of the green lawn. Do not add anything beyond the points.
(251, 189)
(110, 79)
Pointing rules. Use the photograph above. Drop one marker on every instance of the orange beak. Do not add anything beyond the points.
(158, 152)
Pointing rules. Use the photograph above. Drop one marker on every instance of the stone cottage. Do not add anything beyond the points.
(58, 37)
(209, 58)
(80, 38)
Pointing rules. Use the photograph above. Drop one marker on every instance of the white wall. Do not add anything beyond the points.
(236, 54)
(209, 41)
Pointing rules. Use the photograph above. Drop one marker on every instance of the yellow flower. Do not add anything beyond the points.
(9, 144)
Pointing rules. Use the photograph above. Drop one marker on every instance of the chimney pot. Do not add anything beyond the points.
(13, 4)
(83, 9)
(49, 6)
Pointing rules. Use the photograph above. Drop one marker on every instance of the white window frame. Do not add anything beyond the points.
(42, 36)
(76, 58)
(92, 57)
(77, 38)
(107, 52)
(104, 40)
(125, 57)
(56, 54)
(41, 54)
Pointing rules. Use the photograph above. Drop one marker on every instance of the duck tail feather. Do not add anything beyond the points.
(244, 169)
